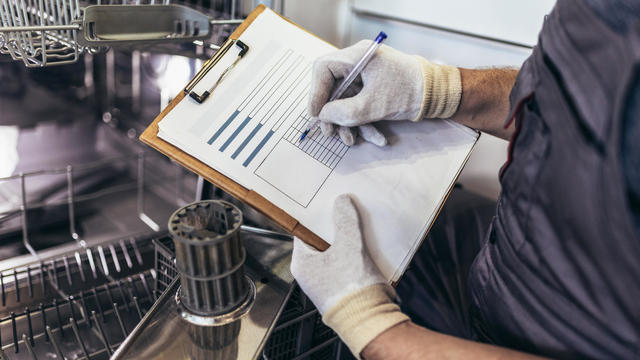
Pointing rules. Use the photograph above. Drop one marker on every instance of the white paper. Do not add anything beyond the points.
(249, 130)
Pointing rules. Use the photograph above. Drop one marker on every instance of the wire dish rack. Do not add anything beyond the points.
(50, 310)
(299, 332)
(56, 32)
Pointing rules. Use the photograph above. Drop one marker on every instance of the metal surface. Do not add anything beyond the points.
(231, 316)
(109, 25)
(163, 334)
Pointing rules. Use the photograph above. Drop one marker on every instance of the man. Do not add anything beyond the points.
(558, 273)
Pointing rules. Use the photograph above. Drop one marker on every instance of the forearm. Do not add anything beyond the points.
(409, 341)
(484, 104)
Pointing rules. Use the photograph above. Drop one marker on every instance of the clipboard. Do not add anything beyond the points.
(248, 196)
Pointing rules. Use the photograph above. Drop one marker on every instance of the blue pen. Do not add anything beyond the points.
(346, 82)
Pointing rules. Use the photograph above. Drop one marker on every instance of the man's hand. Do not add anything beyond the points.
(357, 303)
(393, 86)
(345, 284)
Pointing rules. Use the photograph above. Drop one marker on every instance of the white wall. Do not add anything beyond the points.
(326, 18)
(483, 33)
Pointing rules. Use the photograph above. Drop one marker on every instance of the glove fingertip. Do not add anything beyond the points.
(344, 211)
(371, 134)
(346, 135)
(328, 129)
(342, 200)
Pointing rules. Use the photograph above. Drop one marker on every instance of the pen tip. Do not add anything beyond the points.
(304, 135)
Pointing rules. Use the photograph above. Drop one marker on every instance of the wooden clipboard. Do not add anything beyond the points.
(248, 196)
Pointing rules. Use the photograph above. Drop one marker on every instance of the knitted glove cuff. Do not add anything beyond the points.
(442, 90)
(364, 314)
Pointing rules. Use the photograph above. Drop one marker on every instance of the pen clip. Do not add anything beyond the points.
(200, 98)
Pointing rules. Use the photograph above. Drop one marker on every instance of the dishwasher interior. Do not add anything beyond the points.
(84, 247)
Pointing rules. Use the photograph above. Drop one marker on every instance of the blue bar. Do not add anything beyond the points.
(235, 133)
(224, 126)
(246, 141)
(258, 148)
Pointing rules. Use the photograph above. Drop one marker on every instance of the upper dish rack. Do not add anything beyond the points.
(55, 32)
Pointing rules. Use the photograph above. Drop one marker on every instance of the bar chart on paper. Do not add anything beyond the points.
(262, 133)
(246, 139)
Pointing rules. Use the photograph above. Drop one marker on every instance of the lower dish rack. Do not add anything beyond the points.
(79, 306)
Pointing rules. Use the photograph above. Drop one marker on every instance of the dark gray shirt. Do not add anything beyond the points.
(624, 16)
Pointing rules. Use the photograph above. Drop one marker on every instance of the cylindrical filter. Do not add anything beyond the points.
(209, 257)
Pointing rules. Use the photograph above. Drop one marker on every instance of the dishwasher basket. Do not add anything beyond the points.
(55, 32)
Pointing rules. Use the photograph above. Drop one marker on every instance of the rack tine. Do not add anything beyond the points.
(146, 287)
(103, 260)
(15, 332)
(136, 251)
(117, 312)
(85, 310)
(54, 342)
(116, 262)
(43, 315)
(124, 297)
(127, 258)
(67, 270)
(92, 264)
(26, 343)
(43, 284)
(30, 281)
(3, 356)
(4, 297)
(108, 290)
(29, 325)
(74, 326)
(130, 291)
(135, 302)
(70, 201)
(133, 285)
(55, 304)
(55, 274)
(98, 304)
(103, 336)
(15, 280)
(70, 302)
(79, 263)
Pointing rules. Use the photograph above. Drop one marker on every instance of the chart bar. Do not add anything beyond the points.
(235, 133)
(246, 141)
(258, 148)
(224, 126)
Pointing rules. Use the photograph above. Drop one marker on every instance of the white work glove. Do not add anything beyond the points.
(393, 86)
(345, 284)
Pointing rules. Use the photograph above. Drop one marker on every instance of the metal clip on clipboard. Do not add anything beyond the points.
(209, 65)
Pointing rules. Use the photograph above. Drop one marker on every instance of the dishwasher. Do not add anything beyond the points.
(86, 256)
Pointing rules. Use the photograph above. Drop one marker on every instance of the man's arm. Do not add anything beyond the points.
(407, 341)
(484, 104)
(398, 86)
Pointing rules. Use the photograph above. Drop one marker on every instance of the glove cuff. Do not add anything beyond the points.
(442, 90)
(364, 314)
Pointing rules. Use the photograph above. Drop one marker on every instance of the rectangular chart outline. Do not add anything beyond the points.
(255, 172)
